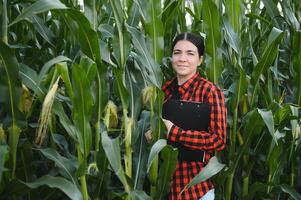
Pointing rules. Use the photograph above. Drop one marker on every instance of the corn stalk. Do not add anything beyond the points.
(4, 21)
(13, 87)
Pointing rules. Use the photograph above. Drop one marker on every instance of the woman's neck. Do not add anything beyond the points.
(183, 79)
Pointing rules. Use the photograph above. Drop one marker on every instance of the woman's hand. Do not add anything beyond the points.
(148, 136)
(168, 124)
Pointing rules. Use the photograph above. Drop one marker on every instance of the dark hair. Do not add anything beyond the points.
(194, 39)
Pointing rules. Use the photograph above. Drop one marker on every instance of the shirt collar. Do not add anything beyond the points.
(186, 85)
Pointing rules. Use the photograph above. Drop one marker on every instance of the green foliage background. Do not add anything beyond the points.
(80, 85)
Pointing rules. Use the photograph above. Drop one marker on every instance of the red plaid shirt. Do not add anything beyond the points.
(200, 90)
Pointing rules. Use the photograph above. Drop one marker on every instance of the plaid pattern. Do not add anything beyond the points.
(200, 90)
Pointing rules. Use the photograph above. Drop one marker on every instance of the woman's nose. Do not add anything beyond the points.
(183, 57)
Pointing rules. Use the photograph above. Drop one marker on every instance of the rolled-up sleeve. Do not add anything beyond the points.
(215, 137)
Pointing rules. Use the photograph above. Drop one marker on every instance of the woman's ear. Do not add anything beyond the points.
(201, 60)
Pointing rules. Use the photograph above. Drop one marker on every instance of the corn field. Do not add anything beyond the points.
(80, 84)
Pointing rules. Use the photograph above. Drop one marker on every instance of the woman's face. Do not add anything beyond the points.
(185, 59)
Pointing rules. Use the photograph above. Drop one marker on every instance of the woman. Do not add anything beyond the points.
(188, 85)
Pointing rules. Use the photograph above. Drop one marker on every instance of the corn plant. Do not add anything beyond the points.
(80, 85)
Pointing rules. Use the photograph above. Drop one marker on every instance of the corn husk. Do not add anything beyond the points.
(46, 113)
(111, 116)
(148, 93)
(2, 135)
(26, 100)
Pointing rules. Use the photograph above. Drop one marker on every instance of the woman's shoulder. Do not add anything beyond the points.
(168, 84)
(208, 85)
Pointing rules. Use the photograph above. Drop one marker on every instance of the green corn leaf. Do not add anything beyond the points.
(273, 12)
(67, 165)
(282, 115)
(149, 67)
(118, 13)
(169, 14)
(172, 5)
(239, 89)
(121, 43)
(139, 195)
(268, 89)
(232, 37)
(257, 17)
(157, 124)
(82, 107)
(268, 119)
(64, 73)
(105, 53)
(65, 121)
(297, 63)
(86, 36)
(89, 43)
(211, 169)
(38, 7)
(134, 15)
(139, 150)
(197, 5)
(112, 150)
(102, 95)
(274, 160)
(213, 40)
(12, 83)
(134, 83)
(14, 134)
(121, 55)
(254, 57)
(106, 30)
(42, 29)
(155, 150)
(123, 92)
(91, 12)
(169, 156)
(3, 155)
(14, 118)
(249, 121)
(234, 14)
(154, 28)
(102, 164)
(48, 65)
(269, 55)
(61, 142)
(258, 187)
(31, 80)
(254, 188)
(90, 68)
(181, 20)
(290, 16)
(60, 183)
(252, 124)
(291, 191)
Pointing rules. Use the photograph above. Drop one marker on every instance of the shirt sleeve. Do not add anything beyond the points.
(215, 138)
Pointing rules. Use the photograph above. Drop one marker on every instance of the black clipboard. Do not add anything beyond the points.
(188, 115)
